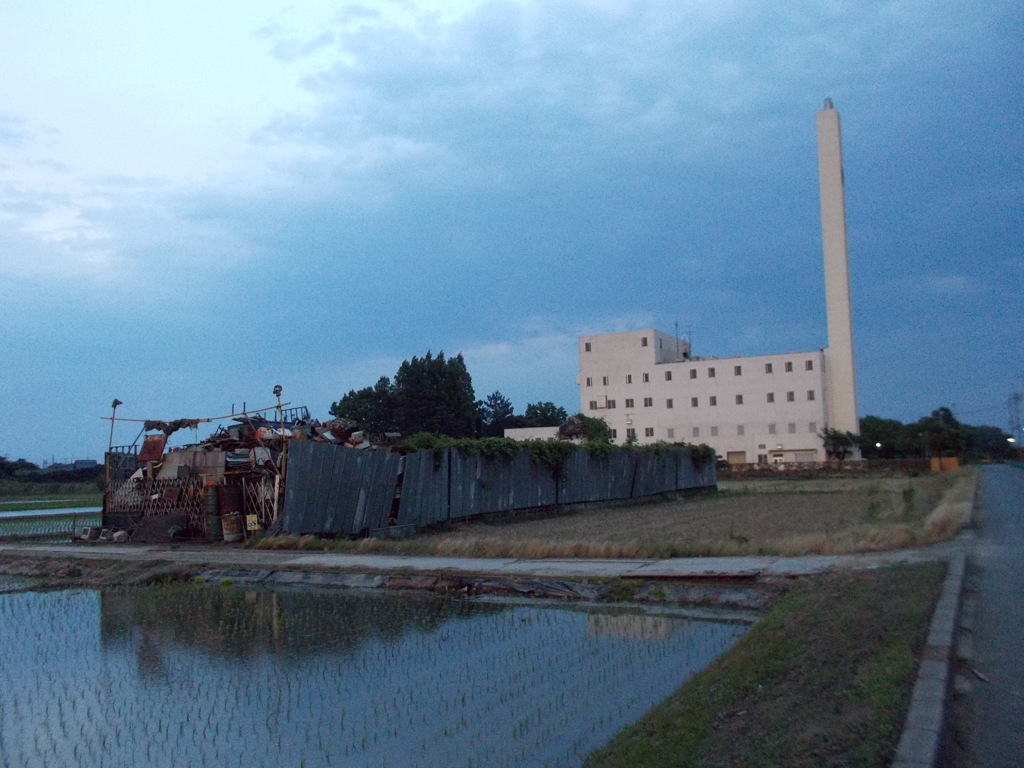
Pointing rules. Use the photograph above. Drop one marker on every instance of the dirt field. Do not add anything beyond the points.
(823, 515)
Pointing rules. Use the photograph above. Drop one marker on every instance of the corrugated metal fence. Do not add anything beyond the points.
(338, 490)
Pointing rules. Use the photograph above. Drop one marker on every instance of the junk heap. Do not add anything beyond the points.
(228, 487)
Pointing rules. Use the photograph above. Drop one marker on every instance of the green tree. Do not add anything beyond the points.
(839, 445)
(940, 434)
(891, 434)
(372, 408)
(435, 394)
(984, 442)
(545, 414)
(586, 428)
(497, 414)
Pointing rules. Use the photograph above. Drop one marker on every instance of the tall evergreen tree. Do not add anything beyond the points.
(435, 394)
(497, 414)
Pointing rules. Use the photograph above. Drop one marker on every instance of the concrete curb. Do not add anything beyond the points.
(921, 745)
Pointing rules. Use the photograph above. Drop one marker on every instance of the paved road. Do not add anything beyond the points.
(994, 732)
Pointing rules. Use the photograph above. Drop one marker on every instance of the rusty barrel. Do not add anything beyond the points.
(229, 498)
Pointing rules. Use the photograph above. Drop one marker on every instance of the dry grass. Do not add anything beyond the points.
(785, 517)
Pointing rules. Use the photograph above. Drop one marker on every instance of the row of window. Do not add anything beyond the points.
(695, 401)
(737, 371)
(695, 432)
(643, 343)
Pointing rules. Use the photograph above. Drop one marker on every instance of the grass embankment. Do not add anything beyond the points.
(17, 495)
(832, 515)
(27, 505)
(823, 680)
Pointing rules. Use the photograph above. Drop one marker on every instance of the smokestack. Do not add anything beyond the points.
(840, 383)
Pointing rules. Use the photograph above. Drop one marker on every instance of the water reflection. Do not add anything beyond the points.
(241, 622)
(194, 675)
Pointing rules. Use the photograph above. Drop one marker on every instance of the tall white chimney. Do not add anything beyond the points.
(840, 383)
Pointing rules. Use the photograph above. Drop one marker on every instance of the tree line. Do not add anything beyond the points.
(936, 435)
(27, 471)
(435, 394)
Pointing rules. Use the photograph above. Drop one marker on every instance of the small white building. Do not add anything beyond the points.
(763, 409)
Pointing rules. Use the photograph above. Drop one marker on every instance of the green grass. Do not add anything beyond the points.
(70, 502)
(824, 679)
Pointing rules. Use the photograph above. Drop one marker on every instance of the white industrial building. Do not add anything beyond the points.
(763, 409)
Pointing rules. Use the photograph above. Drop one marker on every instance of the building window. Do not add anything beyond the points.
(668, 403)
(737, 370)
(630, 433)
(593, 405)
(695, 432)
(586, 346)
(771, 397)
(790, 397)
(767, 367)
(791, 428)
(615, 434)
(812, 427)
(629, 378)
(809, 365)
(590, 382)
(693, 373)
(771, 429)
(670, 433)
(789, 367)
(611, 404)
(647, 378)
(643, 341)
(648, 431)
(604, 380)
(712, 400)
(693, 402)
(711, 373)
(629, 402)
(648, 402)
(810, 394)
(714, 431)
(739, 430)
(739, 399)
(668, 375)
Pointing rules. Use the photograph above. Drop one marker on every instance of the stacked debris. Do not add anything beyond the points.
(236, 472)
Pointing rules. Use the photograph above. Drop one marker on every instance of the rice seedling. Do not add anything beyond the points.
(186, 675)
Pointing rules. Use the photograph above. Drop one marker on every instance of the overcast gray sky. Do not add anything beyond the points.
(199, 201)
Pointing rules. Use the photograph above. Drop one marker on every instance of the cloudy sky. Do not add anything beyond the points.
(201, 200)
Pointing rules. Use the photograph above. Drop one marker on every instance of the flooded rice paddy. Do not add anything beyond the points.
(199, 675)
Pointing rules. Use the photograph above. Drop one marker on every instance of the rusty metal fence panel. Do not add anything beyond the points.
(481, 486)
(333, 489)
(534, 485)
(586, 478)
(424, 498)
(689, 475)
(655, 473)
(299, 489)
(378, 479)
